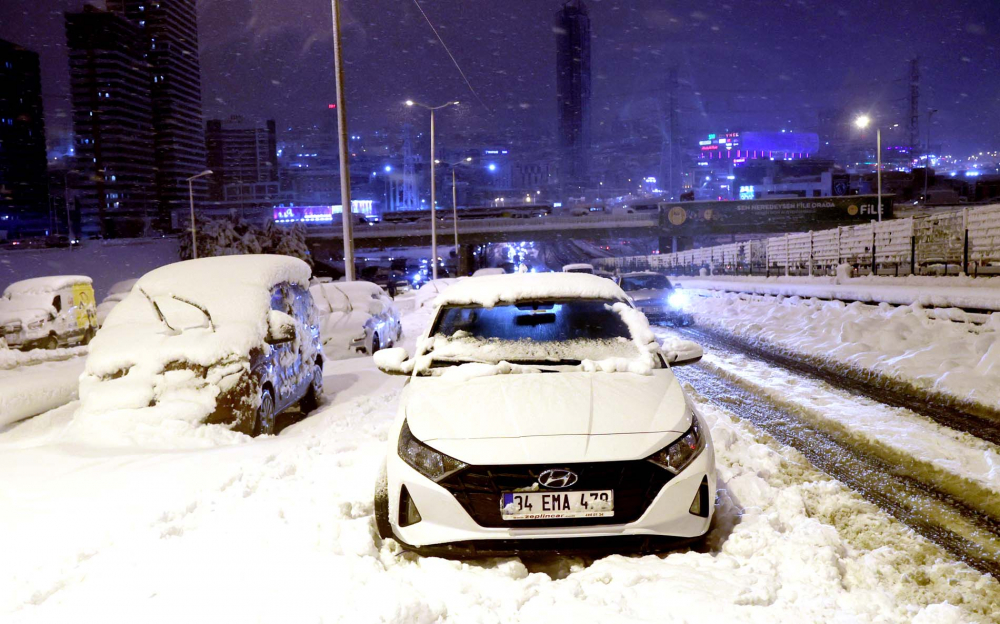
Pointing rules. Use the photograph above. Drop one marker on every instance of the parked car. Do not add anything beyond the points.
(228, 340)
(603, 450)
(118, 292)
(657, 298)
(356, 316)
(579, 267)
(48, 312)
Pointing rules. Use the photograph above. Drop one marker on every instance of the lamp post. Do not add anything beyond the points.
(454, 195)
(434, 254)
(345, 174)
(194, 237)
(863, 122)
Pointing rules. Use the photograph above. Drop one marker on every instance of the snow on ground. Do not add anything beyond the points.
(106, 262)
(981, 293)
(959, 360)
(280, 529)
(956, 462)
(31, 390)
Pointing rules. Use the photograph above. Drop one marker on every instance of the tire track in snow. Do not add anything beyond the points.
(971, 536)
(974, 420)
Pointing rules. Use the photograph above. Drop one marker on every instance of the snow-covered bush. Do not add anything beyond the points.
(231, 237)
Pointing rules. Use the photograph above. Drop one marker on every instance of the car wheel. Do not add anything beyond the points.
(311, 399)
(264, 424)
(382, 505)
(375, 344)
(51, 343)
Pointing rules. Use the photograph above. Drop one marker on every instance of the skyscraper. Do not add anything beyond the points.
(169, 29)
(573, 90)
(23, 175)
(112, 124)
(240, 152)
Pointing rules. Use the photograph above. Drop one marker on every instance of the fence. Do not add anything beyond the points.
(965, 240)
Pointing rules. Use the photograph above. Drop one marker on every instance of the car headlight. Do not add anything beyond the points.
(425, 460)
(678, 300)
(681, 452)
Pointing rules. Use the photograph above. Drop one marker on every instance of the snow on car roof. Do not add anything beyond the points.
(42, 285)
(490, 290)
(577, 265)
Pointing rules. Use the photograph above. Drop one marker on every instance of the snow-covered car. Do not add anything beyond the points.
(356, 316)
(427, 293)
(541, 415)
(229, 340)
(579, 267)
(118, 292)
(657, 298)
(48, 312)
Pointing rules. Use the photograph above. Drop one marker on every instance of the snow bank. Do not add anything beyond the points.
(491, 290)
(942, 292)
(12, 358)
(32, 390)
(958, 360)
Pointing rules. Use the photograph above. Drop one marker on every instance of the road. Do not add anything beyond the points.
(905, 492)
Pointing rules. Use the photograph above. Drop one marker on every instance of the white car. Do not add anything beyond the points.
(116, 295)
(48, 312)
(355, 317)
(579, 267)
(541, 415)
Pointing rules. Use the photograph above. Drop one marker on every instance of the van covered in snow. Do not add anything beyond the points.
(48, 312)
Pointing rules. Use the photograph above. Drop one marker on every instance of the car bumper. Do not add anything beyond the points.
(447, 528)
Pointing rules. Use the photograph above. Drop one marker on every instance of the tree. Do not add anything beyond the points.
(229, 237)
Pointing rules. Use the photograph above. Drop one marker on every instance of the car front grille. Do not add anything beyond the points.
(635, 484)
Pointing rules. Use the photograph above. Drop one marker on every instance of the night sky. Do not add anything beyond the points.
(751, 64)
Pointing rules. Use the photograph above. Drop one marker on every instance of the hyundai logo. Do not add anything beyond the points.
(557, 478)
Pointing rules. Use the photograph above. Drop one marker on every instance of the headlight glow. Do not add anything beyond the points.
(678, 300)
(424, 459)
(681, 452)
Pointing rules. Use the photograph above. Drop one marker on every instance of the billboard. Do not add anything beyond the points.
(770, 215)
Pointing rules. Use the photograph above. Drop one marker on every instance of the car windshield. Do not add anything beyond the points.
(645, 282)
(561, 332)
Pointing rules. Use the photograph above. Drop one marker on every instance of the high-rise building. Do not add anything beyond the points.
(240, 152)
(169, 29)
(23, 175)
(573, 90)
(112, 122)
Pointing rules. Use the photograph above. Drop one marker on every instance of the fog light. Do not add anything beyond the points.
(699, 506)
(408, 513)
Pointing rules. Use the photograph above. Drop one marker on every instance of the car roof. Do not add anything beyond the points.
(491, 290)
(42, 285)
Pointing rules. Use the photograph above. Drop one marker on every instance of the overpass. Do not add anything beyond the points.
(482, 231)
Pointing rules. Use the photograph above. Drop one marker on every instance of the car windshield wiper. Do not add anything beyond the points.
(163, 318)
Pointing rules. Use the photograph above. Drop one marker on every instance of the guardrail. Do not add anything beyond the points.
(966, 240)
(477, 226)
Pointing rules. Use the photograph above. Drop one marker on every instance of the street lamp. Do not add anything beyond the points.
(434, 256)
(454, 196)
(194, 238)
(862, 122)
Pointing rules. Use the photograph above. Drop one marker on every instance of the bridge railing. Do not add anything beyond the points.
(966, 240)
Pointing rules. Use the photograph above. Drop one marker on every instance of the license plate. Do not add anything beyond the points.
(545, 505)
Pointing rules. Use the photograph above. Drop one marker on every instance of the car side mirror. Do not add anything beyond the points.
(393, 361)
(681, 352)
(375, 308)
(280, 328)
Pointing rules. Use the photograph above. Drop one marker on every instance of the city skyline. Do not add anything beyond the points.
(262, 60)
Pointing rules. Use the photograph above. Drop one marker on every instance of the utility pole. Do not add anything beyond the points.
(345, 173)
(927, 152)
(914, 105)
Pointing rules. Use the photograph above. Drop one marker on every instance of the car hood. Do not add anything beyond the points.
(24, 315)
(573, 416)
(649, 294)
